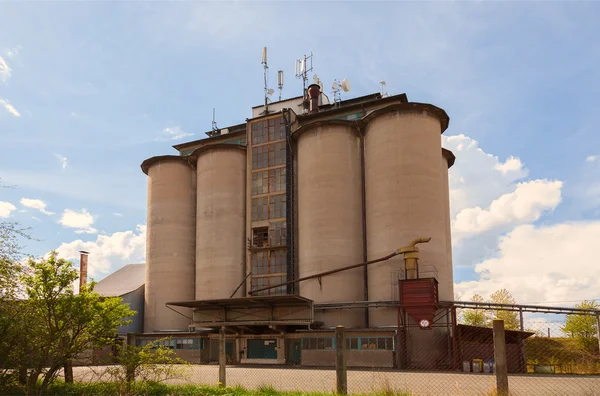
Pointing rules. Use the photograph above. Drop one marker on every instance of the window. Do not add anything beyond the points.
(260, 263)
(260, 237)
(277, 206)
(260, 208)
(276, 129)
(321, 343)
(259, 133)
(260, 182)
(259, 283)
(277, 233)
(277, 154)
(376, 343)
(277, 261)
(260, 157)
(276, 180)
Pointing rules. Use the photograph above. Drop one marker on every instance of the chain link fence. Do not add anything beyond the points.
(546, 352)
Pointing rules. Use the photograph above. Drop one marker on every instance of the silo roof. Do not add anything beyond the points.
(125, 280)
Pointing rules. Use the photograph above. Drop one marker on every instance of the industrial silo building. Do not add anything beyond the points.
(307, 216)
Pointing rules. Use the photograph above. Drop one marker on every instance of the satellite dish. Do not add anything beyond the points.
(270, 91)
(345, 85)
(334, 86)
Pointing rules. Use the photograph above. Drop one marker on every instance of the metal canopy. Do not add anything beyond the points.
(283, 310)
(240, 302)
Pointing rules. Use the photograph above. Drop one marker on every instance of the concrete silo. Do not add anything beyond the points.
(448, 159)
(220, 220)
(170, 240)
(330, 216)
(404, 197)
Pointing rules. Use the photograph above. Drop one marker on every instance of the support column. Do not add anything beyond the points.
(522, 365)
(500, 358)
(598, 330)
(222, 358)
(340, 361)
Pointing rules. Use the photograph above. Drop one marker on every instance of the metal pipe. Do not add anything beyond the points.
(321, 274)
(240, 285)
(419, 240)
(364, 225)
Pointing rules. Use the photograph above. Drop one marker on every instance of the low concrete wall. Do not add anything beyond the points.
(355, 358)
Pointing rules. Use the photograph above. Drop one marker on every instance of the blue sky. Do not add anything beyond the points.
(108, 84)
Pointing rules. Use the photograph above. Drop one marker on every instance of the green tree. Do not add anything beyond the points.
(60, 324)
(583, 328)
(146, 365)
(510, 318)
(11, 317)
(475, 316)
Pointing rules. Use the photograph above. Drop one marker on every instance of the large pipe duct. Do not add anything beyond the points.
(411, 257)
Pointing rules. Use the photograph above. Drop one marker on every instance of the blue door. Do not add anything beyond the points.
(262, 349)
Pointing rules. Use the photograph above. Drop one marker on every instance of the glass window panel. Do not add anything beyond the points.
(313, 343)
(328, 343)
(381, 343)
(305, 343)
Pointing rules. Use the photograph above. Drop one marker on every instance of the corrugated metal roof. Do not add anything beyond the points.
(127, 279)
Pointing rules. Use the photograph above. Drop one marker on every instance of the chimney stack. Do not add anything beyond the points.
(83, 264)
(314, 91)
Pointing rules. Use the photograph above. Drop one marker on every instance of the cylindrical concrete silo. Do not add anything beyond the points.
(220, 220)
(330, 216)
(448, 159)
(404, 198)
(170, 241)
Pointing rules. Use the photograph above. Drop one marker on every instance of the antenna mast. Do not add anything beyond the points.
(383, 93)
(266, 70)
(280, 82)
(215, 128)
(302, 69)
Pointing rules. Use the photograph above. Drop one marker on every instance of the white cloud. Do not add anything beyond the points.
(10, 108)
(512, 164)
(173, 133)
(82, 221)
(62, 160)
(36, 219)
(591, 158)
(477, 178)
(555, 263)
(524, 205)
(108, 252)
(117, 214)
(36, 204)
(6, 208)
(5, 70)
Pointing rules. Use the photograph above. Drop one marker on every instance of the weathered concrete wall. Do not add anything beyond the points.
(220, 222)
(329, 215)
(354, 358)
(170, 242)
(135, 300)
(404, 200)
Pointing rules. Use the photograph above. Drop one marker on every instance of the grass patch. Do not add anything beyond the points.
(157, 389)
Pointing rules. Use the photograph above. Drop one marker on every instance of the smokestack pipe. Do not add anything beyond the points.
(314, 91)
(83, 264)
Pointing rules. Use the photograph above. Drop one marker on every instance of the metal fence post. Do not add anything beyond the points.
(500, 358)
(598, 329)
(222, 358)
(130, 370)
(341, 374)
